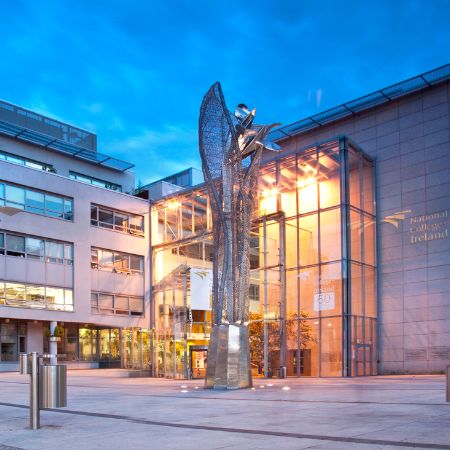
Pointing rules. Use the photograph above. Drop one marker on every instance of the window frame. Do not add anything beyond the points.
(96, 264)
(130, 220)
(65, 214)
(45, 257)
(117, 310)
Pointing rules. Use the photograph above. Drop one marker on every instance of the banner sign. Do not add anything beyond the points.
(201, 288)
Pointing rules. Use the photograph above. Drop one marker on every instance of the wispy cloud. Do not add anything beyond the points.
(94, 108)
(136, 75)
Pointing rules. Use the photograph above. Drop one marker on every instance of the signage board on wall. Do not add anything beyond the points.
(201, 288)
(323, 301)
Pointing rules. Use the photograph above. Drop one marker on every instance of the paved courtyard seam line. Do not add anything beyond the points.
(349, 440)
(8, 447)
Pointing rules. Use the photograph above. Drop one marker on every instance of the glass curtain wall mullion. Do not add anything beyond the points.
(319, 267)
(297, 270)
(361, 215)
(345, 255)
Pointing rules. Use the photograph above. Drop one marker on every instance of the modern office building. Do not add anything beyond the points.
(73, 247)
(350, 255)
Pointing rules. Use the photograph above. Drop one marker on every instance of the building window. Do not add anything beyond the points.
(4, 156)
(38, 297)
(12, 339)
(37, 202)
(112, 261)
(118, 304)
(32, 247)
(95, 181)
(117, 220)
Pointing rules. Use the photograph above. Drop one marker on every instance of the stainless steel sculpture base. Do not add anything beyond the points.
(228, 358)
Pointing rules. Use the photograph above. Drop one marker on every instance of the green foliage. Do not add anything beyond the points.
(274, 335)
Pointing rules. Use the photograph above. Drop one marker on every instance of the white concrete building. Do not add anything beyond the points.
(73, 247)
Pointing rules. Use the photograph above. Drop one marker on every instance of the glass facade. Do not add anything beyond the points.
(109, 347)
(313, 288)
(22, 295)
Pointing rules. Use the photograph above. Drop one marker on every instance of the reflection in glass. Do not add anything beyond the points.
(309, 243)
(330, 235)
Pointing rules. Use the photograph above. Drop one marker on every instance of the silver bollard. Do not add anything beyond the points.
(48, 385)
(35, 416)
(24, 364)
(53, 386)
(448, 383)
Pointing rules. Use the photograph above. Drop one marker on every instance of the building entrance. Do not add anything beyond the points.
(198, 360)
(312, 294)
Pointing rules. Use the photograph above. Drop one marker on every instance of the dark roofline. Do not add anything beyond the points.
(368, 101)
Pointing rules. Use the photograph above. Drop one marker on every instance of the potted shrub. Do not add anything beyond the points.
(57, 334)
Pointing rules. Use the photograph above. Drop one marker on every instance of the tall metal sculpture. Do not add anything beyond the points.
(230, 148)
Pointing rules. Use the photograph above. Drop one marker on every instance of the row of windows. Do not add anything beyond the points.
(31, 296)
(4, 156)
(35, 248)
(95, 181)
(102, 303)
(62, 253)
(53, 205)
(116, 261)
(116, 220)
(37, 202)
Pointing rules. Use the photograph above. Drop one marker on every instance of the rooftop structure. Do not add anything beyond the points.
(28, 126)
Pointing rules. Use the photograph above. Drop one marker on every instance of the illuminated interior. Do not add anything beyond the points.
(313, 291)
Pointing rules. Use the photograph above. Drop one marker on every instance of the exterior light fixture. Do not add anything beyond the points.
(270, 192)
(306, 182)
(173, 205)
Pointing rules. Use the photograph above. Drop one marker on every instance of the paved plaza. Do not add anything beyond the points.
(108, 410)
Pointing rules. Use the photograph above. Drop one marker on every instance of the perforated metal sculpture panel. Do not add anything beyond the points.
(230, 148)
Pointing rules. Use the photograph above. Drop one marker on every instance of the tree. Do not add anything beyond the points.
(274, 335)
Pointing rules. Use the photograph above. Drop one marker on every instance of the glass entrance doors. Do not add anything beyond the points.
(199, 359)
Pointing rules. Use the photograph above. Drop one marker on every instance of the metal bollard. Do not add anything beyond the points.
(448, 383)
(24, 364)
(48, 385)
(35, 415)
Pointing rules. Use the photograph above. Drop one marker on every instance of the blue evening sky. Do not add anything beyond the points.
(135, 72)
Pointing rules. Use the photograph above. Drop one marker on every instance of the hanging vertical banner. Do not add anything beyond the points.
(201, 288)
